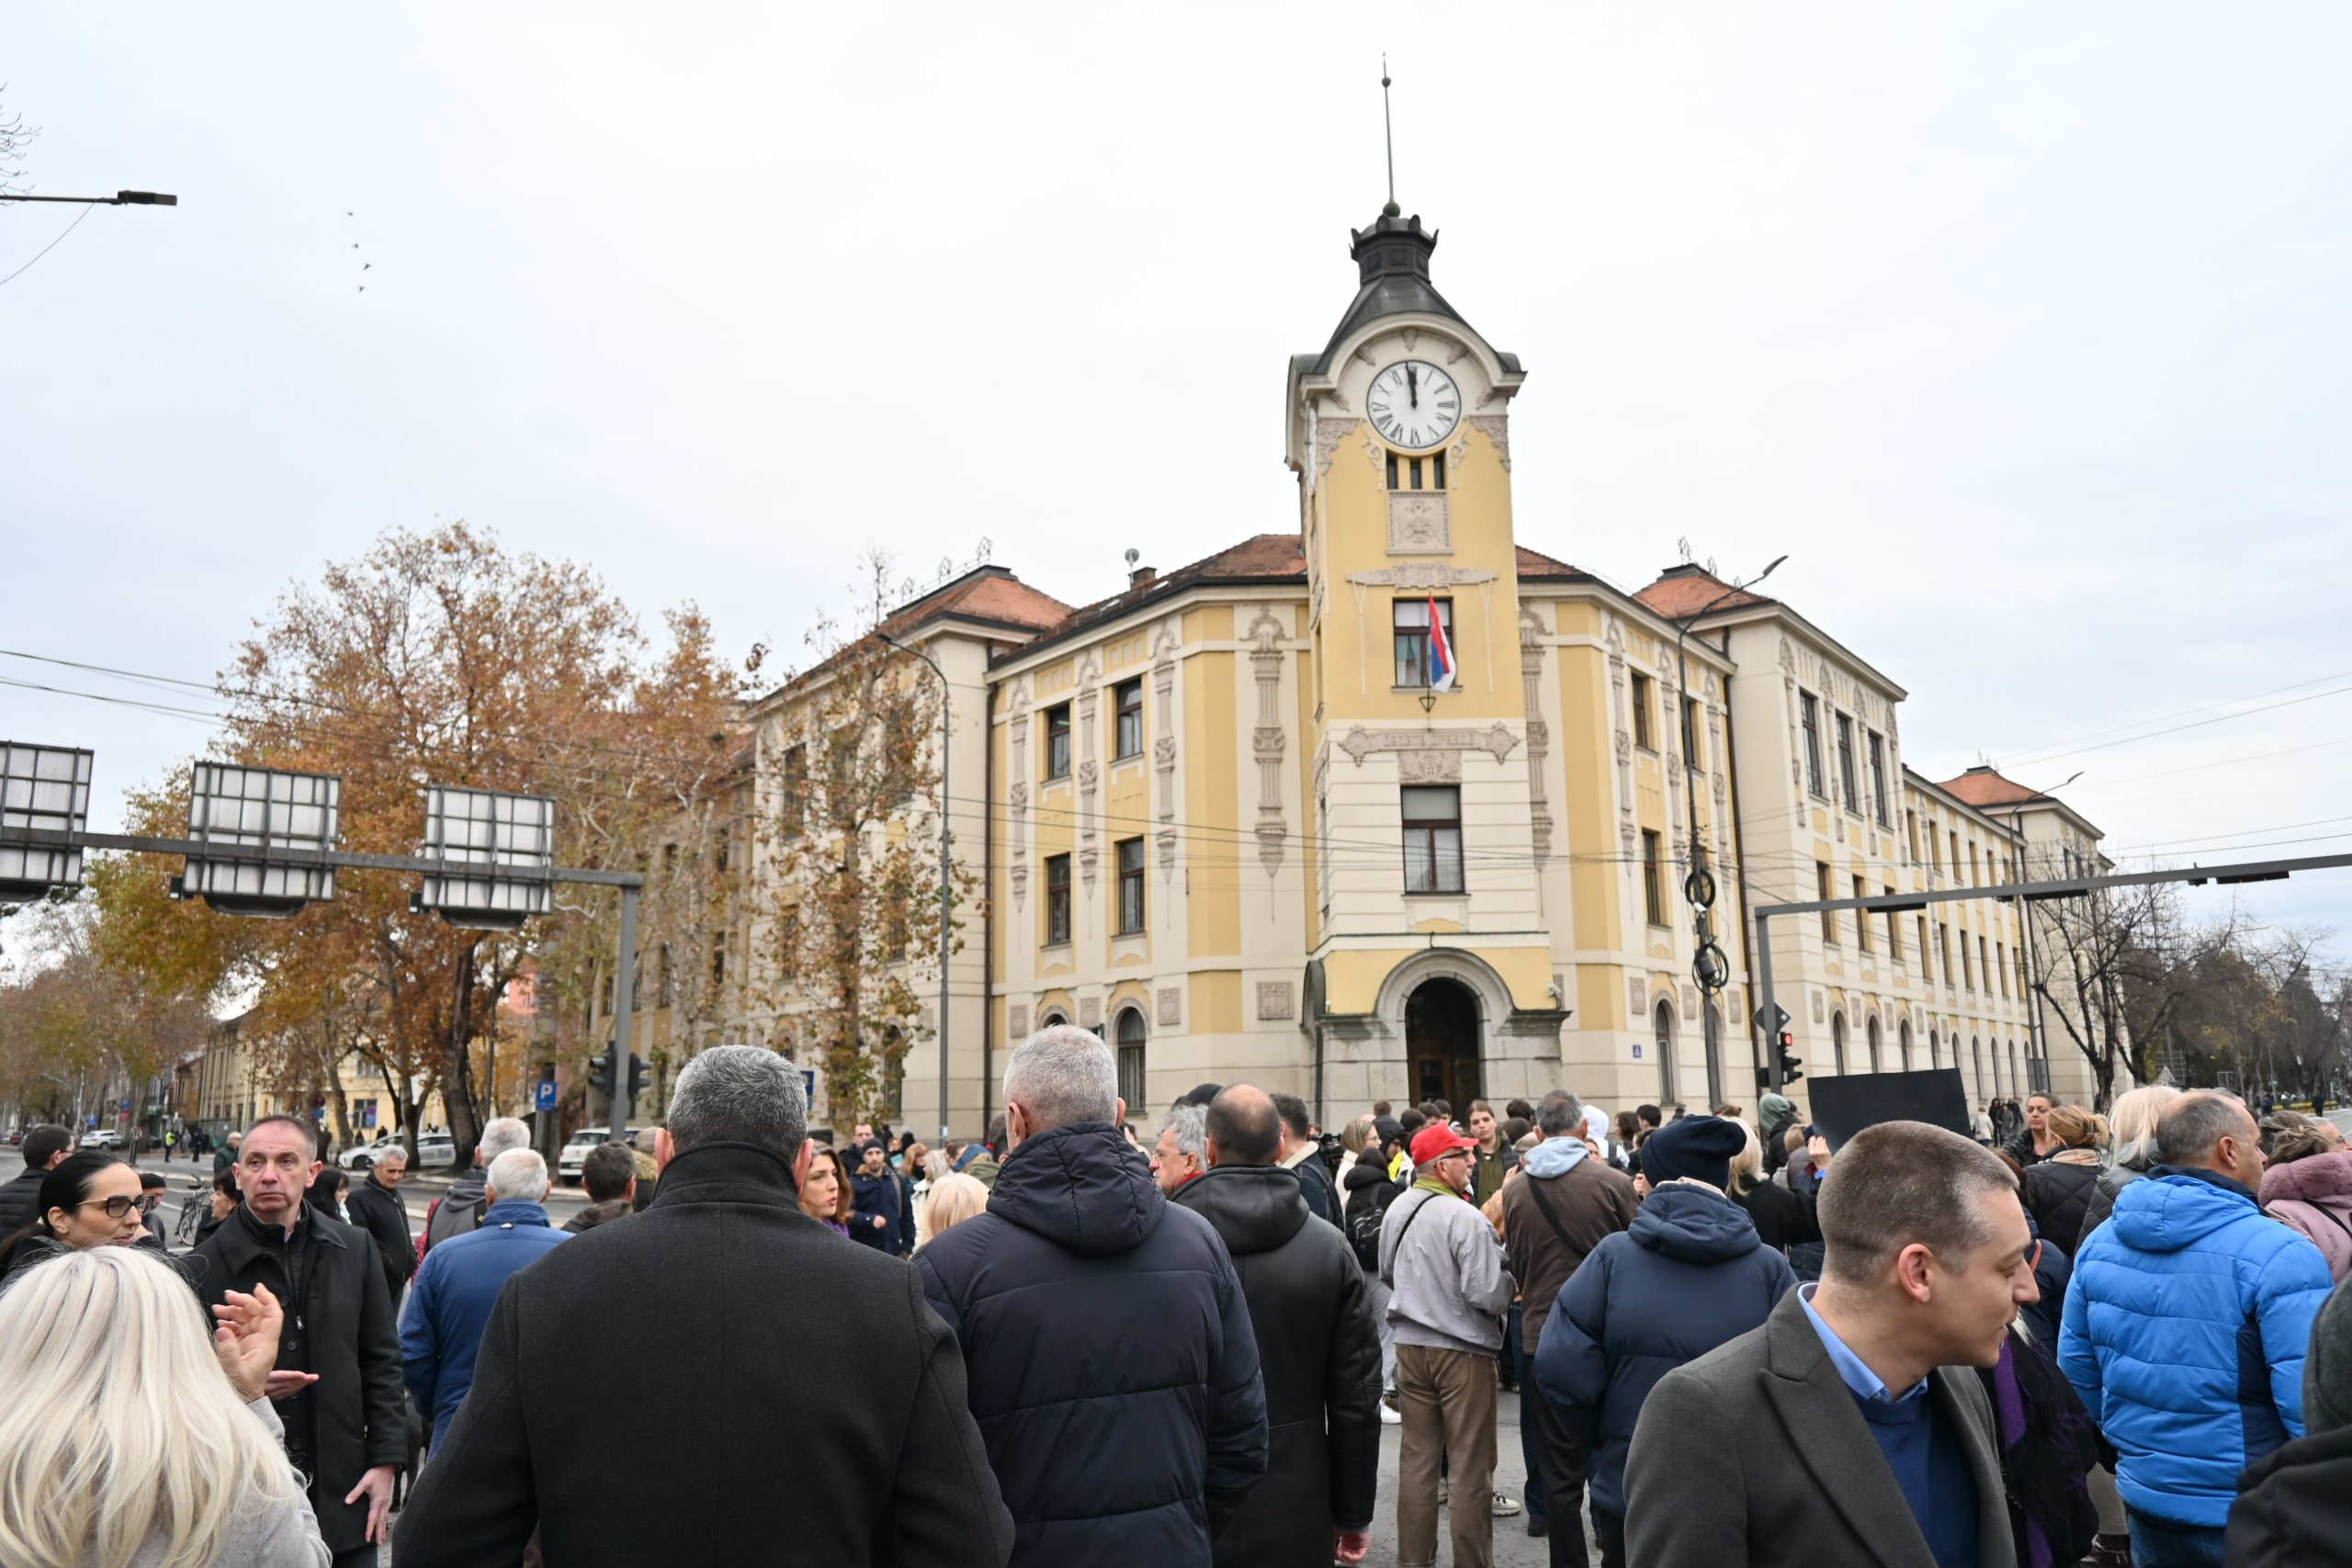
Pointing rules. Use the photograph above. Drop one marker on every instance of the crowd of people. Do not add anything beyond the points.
(2071, 1339)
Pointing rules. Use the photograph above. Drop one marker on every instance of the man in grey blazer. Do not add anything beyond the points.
(1848, 1428)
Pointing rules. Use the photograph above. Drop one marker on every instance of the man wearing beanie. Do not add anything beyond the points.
(1689, 1275)
(1443, 1266)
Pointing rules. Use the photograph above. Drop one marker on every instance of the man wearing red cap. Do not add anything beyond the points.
(1444, 1267)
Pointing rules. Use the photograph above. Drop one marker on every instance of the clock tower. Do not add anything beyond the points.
(1427, 934)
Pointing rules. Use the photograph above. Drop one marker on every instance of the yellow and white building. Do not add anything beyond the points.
(1245, 820)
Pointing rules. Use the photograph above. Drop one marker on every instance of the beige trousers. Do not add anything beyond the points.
(1447, 1398)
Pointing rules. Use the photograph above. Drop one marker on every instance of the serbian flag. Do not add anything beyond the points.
(1440, 653)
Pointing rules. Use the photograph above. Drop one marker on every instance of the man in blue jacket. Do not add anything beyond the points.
(459, 1282)
(2186, 1327)
(1113, 1369)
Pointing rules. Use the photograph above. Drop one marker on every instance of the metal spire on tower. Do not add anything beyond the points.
(1389, 130)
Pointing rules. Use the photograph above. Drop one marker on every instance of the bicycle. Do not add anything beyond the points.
(192, 1207)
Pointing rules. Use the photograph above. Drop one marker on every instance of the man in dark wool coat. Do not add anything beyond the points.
(806, 1404)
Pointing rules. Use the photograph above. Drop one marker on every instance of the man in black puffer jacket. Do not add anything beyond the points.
(1316, 1342)
(1113, 1373)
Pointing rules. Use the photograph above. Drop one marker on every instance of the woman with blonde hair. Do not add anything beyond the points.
(2132, 1123)
(2058, 1188)
(954, 1197)
(122, 1445)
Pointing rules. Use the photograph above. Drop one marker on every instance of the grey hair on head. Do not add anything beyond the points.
(1192, 1124)
(2189, 1127)
(1559, 1114)
(1063, 1075)
(502, 1133)
(518, 1174)
(739, 1094)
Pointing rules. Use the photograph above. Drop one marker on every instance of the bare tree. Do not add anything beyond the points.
(15, 137)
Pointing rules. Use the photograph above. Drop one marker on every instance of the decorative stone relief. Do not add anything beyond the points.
(1419, 522)
(1266, 637)
(1430, 768)
(1090, 1012)
(1788, 656)
(1019, 855)
(1690, 1001)
(1820, 1013)
(1089, 774)
(1376, 455)
(1360, 742)
(1456, 352)
(1088, 678)
(1637, 999)
(1496, 429)
(1273, 999)
(1016, 1020)
(1425, 575)
(1328, 433)
(1163, 750)
(1172, 1007)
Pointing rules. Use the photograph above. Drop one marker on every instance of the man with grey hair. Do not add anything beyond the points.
(1865, 1435)
(460, 1278)
(2186, 1327)
(1182, 1152)
(1564, 1203)
(461, 1208)
(767, 1329)
(375, 1206)
(1113, 1369)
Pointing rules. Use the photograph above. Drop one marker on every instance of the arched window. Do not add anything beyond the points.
(1131, 1057)
(1934, 1049)
(1976, 1054)
(1903, 1041)
(2015, 1079)
(1665, 1020)
(1051, 1020)
(1872, 1032)
(1838, 1040)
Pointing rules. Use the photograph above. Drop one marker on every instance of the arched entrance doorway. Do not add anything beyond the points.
(1903, 1041)
(1838, 1041)
(1442, 1042)
(1871, 1033)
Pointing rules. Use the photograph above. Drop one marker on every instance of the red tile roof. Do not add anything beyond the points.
(1984, 786)
(1686, 590)
(989, 593)
(1532, 563)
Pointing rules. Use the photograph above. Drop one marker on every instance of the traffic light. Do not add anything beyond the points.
(1789, 1064)
(601, 1080)
(638, 1070)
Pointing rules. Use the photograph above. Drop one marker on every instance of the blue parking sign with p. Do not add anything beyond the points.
(546, 1101)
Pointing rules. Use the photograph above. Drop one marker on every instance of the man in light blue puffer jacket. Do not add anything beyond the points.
(2186, 1327)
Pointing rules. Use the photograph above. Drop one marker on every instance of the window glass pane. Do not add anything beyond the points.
(1428, 803)
(1419, 873)
(1449, 859)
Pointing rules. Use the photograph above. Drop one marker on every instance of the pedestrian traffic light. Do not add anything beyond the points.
(1790, 1064)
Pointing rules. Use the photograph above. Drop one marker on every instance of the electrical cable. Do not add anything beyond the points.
(50, 246)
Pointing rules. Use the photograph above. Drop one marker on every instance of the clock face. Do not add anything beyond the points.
(1414, 403)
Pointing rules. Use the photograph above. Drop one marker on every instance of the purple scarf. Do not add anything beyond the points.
(2008, 1412)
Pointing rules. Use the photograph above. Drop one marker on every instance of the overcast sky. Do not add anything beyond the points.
(2021, 328)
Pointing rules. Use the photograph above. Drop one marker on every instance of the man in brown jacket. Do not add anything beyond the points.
(1565, 1202)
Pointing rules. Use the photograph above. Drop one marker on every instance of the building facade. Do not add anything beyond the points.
(1392, 805)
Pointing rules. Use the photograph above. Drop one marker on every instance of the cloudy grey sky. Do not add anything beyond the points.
(2021, 328)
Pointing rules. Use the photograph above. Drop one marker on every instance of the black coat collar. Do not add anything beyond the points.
(727, 1173)
(245, 1238)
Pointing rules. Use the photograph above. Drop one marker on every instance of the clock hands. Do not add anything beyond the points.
(1413, 385)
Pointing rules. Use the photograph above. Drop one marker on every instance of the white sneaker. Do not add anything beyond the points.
(1389, 1417)
(1505, 1506)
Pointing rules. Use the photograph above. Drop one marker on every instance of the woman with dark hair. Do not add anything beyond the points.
(825, 1196)
(223, 1202)
(87, 1199)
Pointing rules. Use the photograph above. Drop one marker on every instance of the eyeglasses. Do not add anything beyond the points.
(118, 1208)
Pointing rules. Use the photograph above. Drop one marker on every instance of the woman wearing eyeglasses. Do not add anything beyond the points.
(87, 1199)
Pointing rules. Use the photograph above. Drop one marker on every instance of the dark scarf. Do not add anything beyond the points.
(2048, 1446)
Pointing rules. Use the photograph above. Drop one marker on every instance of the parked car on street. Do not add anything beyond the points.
(567, 1163)
(433, 1149)
(103, 1138)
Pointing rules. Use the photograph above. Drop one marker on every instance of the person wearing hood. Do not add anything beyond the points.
(459, 1210)
(1689, 1275)
(1316, 1347)
(1564, 1204)
(878, 1203)
(2185, 1330)
(983, 1165)
(2308, 1188)
(1112, 1369)
(1775, 1114)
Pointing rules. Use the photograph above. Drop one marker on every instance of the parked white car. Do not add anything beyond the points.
(575, 1153)
(432, 1149)
(103, 1138)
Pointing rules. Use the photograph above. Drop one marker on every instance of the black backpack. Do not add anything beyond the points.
(1367, 1207)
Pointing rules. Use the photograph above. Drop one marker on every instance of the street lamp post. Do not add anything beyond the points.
(946, 884)
(120, 199)
(1708, 967)
(2037, 1026)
